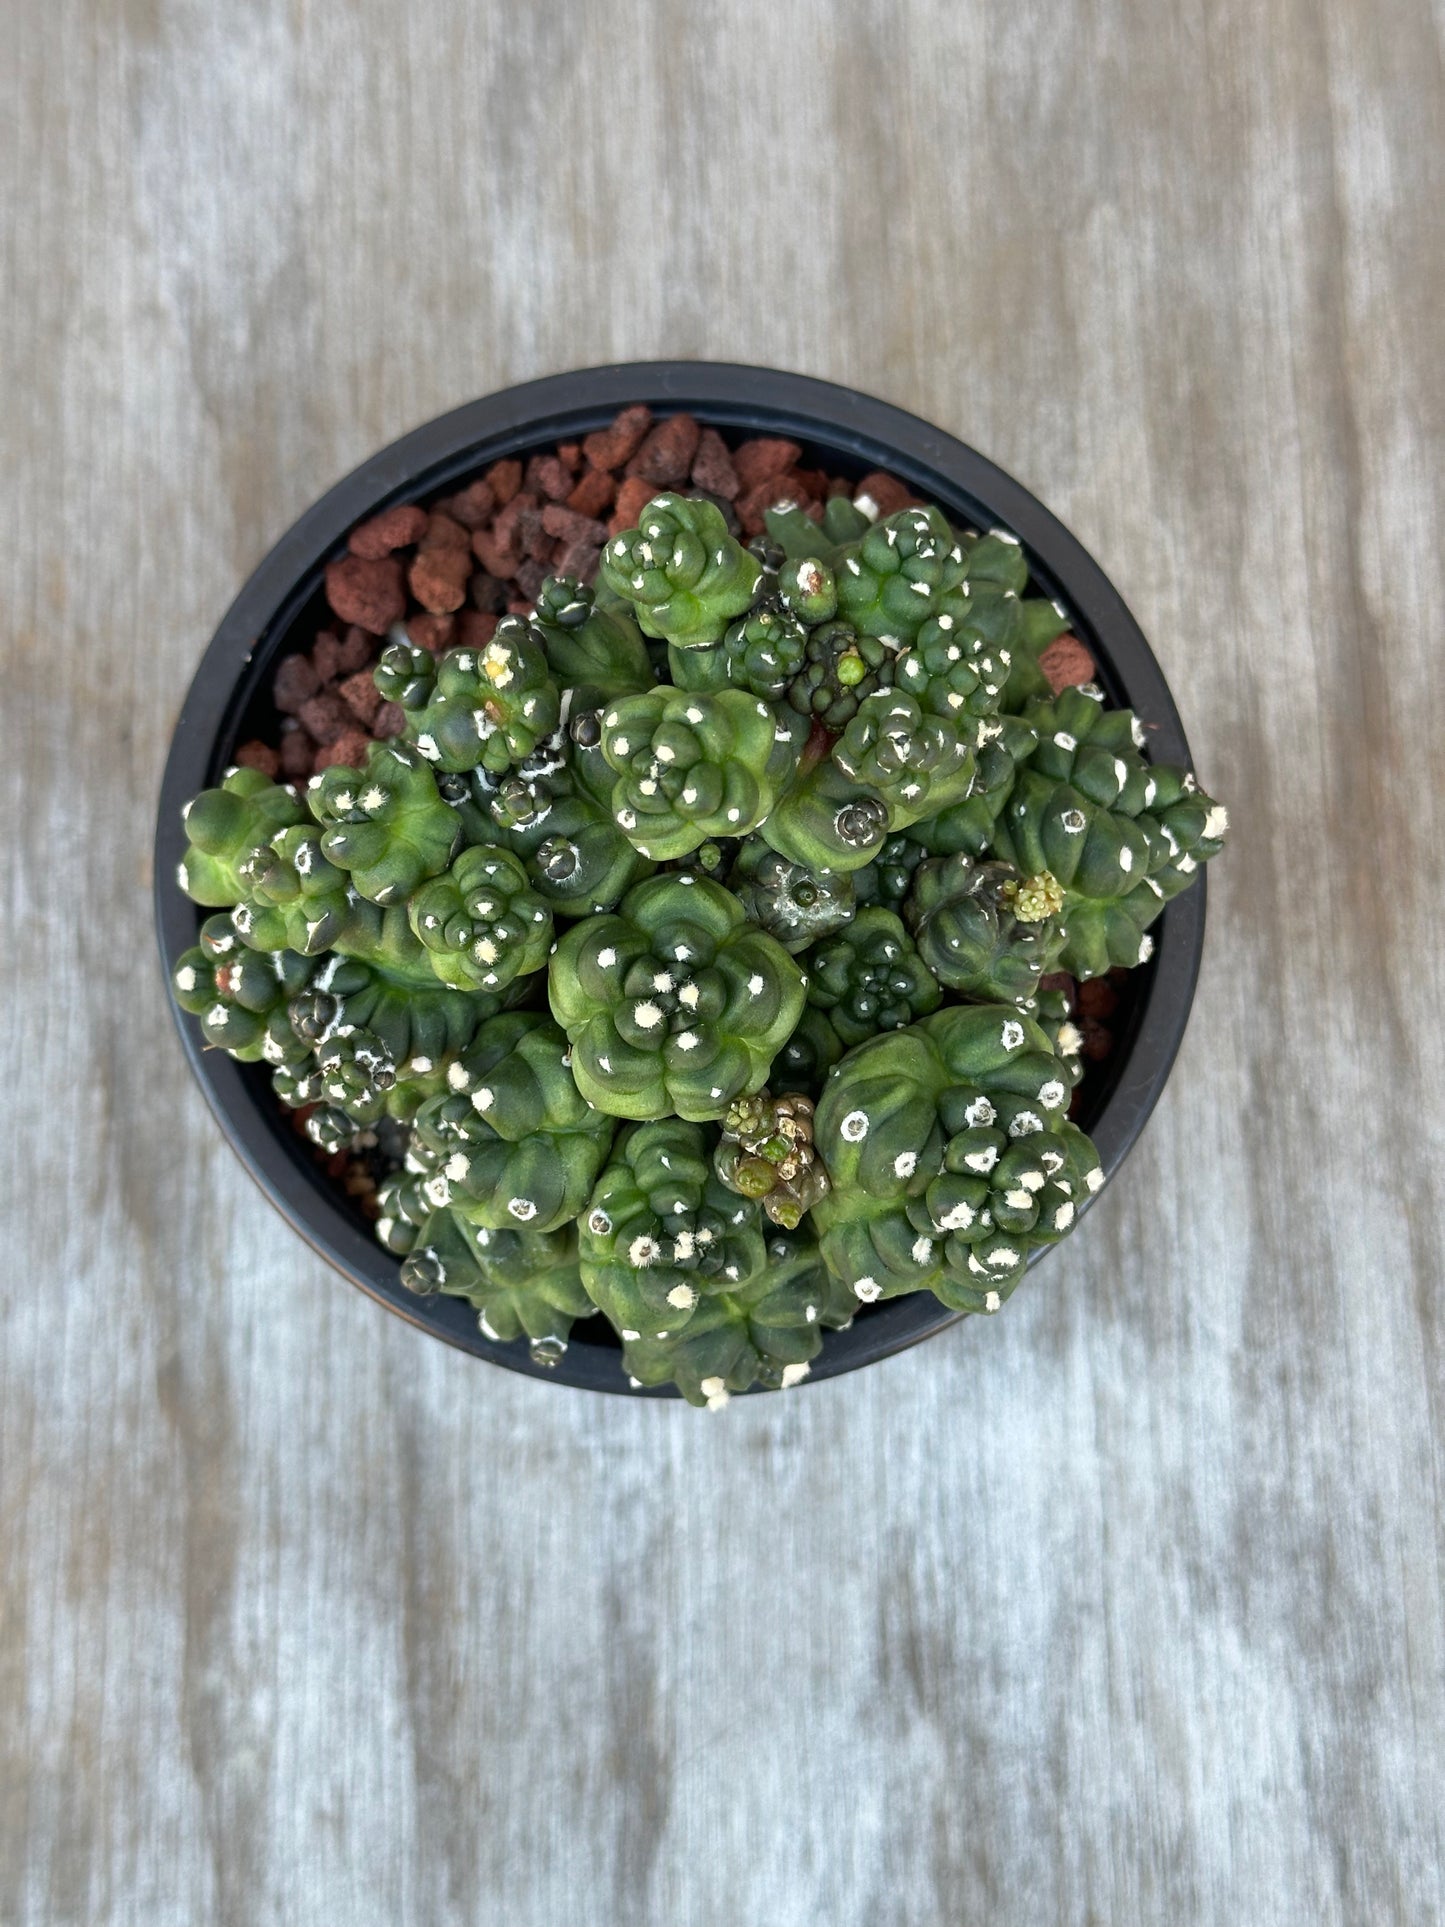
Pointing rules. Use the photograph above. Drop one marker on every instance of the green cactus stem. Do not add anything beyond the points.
(970, 924)
(674, 1003)
(808, 1055)
(512, 1144)
(680, 569)
(960, 659)
(808, 590)
(691, 766)
(918, 764)
(949, 1158)
(385, 825)
(223, 827)
(761, 653)
(870, 977)
(1119, 835)
(887, 880)
(489, 707)
(241, 996)
(891, 580)
(405, 674)
(481, 923)
(1039, 624)
(766, 1152)
(825, 821)
(792, 903)
(840, 668)
(1003, 743)
(598, 651)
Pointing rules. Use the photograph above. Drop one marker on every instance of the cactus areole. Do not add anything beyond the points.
(682, 959)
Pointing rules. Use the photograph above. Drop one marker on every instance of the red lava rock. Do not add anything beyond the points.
(516, 529)
(357, 649)
(296, 750)
(579, 559)
(837, 486)
(1098, 997)
(438, 578)
(361, 696)
(530, 576)
(326, 716)
(498, 559)
(570, 455)
(770, 494)
(394, 528)
(610, 447)
(326, 656)
(549, 477)
(632, 498)
(1098, 1041)
(519, 606)
(665, 456)
(487, 592)
(349, 748)
(257, 755)
(473, 508)
(431, 632)
(504, 479)
(885, 493)
(295, 680)
(1067, 663)
(444, 532)
(593, 493)
(476, 627)
(568, 526)
(810, 482)
(389, 721)
(1061, 980)
(367, 593)
(712, 466)
(761, 458)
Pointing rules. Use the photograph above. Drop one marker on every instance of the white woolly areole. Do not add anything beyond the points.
(522, 1208)
(795, 1374)
(867, 1290)
(854, 1127)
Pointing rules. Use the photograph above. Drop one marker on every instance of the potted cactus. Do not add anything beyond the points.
(692, 957)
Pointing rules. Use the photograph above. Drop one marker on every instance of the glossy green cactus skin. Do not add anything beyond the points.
(961, 656)
(691, 766)
(481, 923)
(661, 1231)
(840, 667)
(760, 653)
(674, 1003)
(808, 1055)
(1003, 744)
(404, 673)
(870, 977)
(682, 572)
(792, 903)
(917, 764)
(766, 1330)
(385, 825)
(598, 651)
(223, 827)
(241, 996)
(887, 880)
(949, 1157)
(970, 933)
(1120, 835)
(1039, 624)
(892, 579)
(513, 1144)
(521, 1284)
(488, 707)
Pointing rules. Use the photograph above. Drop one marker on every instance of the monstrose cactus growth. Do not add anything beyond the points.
(705, 943)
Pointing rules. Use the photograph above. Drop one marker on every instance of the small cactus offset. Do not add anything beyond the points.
(701, 954)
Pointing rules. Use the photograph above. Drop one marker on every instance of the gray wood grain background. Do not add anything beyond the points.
(1128, 1607)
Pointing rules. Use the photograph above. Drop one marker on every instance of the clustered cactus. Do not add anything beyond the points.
(694, 935)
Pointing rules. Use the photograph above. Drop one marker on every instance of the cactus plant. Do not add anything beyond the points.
(658, 869)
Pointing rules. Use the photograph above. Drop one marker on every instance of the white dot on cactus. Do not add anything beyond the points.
(627, 819)
(982, 1161)
(1052, 1094)
(218, 1015)
(1020, 1199)
(646, 1016)
(979, 1113)
(1065, 741)
(920, 588)
(854, 1127)
(438, 1191)
(1216, 823)
(1025, 1124)
(795, 1374)
(1188, 784)
(419, 1066)
(867, 1290)
(606, 957)
(687, 1040)
(688, 995)
(693, 713)
(186, 977)
(428, 747)
(1146, 948)
(922, 1250)
(483, 1098)
(522, 1208)
(689, 795)
(457, 1165)
(1003, 1257)
(644, 1251)
(731, 1272)
(1094, 1180)
(1121, 771)
(1073, 821)
(1126, 859)
(712, 1387)
(687, 883)
(682, 1298)
(962, 1214)
(716, 1091)
(1012, 1035)
(647, 786)
(991, 1301)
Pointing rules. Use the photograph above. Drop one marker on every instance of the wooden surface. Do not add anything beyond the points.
(1127, 1607)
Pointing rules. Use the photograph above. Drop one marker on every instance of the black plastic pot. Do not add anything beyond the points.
(281, 607)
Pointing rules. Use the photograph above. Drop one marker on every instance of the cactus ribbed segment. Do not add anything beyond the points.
(765, 1331)
(489, 707)
(887, 880)
(599, 651)
(223, 827)
(791, 902)
(826, 821)
(808, 1055)
(680, 569)
(949, 1158)
(692, 766)
(1121, 836)
(1039, 624)
(870, 977)
(512, 1144)
(481, 923)
(840, 667)
(917, 764)
(893, 578)
(961, 656)
(241, 996)
(971, 924)
(675, 1003)
(761, 653)
(1004, 742)
(385, 824)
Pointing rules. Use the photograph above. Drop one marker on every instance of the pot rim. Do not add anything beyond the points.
(859, 429)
